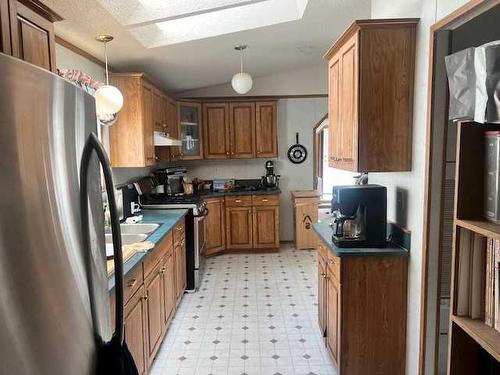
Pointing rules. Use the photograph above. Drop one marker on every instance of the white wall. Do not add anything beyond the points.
(294, 115)
(67, 59)
(429, 11)
(305, 81)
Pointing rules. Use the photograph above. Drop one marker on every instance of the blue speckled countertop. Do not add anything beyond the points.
(167, 220)
(325, 232)
(240, 192)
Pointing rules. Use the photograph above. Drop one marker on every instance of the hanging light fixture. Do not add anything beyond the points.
(108, 99)
(241, 82)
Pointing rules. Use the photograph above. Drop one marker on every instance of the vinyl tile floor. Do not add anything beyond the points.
(253, 314)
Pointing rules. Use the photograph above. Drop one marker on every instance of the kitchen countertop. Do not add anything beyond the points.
(325, 232)
(210, 194)
(167, 220)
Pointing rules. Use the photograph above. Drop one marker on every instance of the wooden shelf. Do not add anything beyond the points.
(484, 227)
(484, 335)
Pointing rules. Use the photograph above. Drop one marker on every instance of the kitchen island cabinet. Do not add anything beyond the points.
(362, 305)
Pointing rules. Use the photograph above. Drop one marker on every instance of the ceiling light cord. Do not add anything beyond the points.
(241, 61)
(106, 62)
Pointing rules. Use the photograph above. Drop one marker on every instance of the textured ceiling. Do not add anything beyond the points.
(211, 60)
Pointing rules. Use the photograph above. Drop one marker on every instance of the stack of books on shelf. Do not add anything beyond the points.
(478, 279)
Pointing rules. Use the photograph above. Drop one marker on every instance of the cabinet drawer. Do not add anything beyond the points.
(265, 200)
(132, 283)
(179, 231)
(334, 266)
(238, 201)
(157, 254)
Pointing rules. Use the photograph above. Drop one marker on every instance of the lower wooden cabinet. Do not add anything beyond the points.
(169, 299)
(135, 328)
(322, 285)
(152, 292)
(362, 311)
(155, 295)
(266, 227)
(180, 272)
(332, 316)
(239, 227)
(215, 227)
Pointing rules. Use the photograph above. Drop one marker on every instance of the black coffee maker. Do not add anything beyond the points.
(359, 216)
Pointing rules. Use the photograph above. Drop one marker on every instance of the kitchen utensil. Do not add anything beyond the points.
(297, 153)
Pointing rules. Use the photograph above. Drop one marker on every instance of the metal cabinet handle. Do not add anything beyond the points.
(145, 298)
(323, 275)
(162, 270)
(265, 200)
(237, 201)
(131, 283)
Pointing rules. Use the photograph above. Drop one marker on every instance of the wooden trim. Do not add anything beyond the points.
(360, 24)
(250, 98)
(455, 19)
(41, 9)
(80, 52)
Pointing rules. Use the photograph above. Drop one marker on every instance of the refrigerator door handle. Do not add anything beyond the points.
(93, 144)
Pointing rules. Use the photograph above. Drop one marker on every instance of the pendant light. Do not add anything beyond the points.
(108, 99)
(241, 82)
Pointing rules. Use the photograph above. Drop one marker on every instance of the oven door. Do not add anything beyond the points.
(199, 240)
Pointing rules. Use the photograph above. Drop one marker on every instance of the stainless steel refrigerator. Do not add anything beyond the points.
(53, 292)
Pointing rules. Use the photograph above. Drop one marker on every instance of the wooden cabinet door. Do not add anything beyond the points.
(32, 36)
(216, 130)
(163, 154)
(266, 130)
(135, 328)
(348, 146)
(5, 45)
(157, 110)
(180, 269)
(169, 288)
(334, 129)
(333, 316)
(242, 130)
(215, 229)
(155, 313)
(148, 124)
(322, 292)
(239, 228)
(266, 227)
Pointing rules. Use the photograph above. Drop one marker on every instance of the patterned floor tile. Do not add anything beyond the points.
(254, 314)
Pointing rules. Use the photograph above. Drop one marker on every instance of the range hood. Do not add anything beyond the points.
(163, 139)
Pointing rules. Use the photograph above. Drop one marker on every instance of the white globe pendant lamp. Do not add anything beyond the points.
(108, 99)
(241, 82)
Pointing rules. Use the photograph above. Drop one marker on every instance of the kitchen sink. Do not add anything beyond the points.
(127, 238)
(139, 228)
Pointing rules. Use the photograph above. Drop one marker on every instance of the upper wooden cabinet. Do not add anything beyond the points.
(216, 130)
(240, 130)
(266, 130)
(371, 73)
(27, 32)
(189, 131)
(131, 137)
